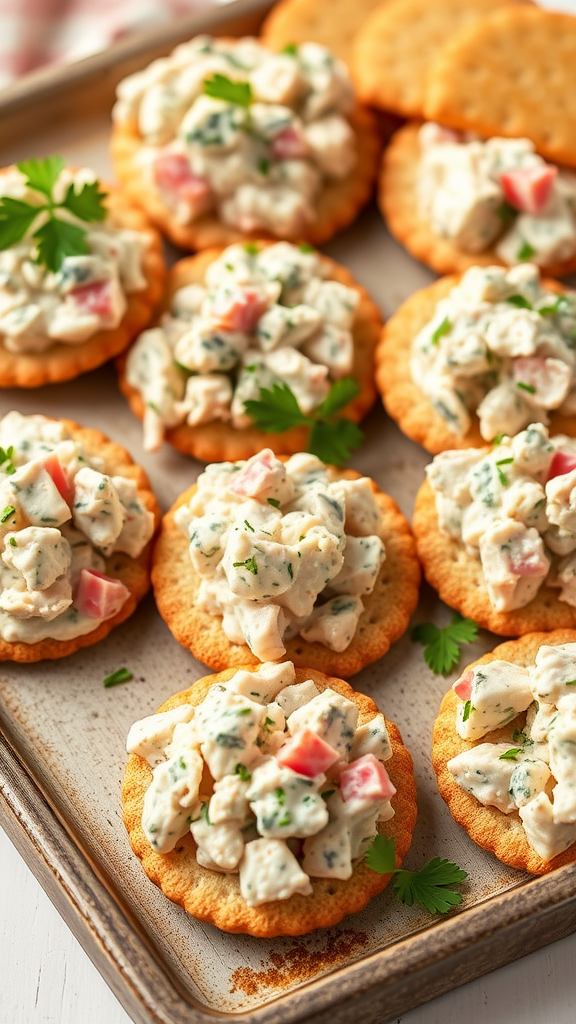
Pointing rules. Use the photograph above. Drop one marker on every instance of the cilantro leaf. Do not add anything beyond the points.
(335, 442)
(57, 239)
(442, 651)
(42, 175)
(426, 886)
(341, 392)
(276, 411)
(520, 301)
(88, 203)
(16, 217)
(220, 87)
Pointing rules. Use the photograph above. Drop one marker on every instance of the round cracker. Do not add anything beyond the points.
(403, 399)
(458, 578)
(510, 74)
(134, 573)
(64, 360)
(337, 205)
(215, 897)
(398, 200)
(397, 44)
(217, 441)
(333, 23)
(501, 834)
(387, 609)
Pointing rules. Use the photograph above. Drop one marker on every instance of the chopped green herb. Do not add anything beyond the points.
(306, 247)
(501, 474)
(244, 711)
(426, 886)
(498, 439)
(251, 248)
(204, 813)
(274, 502)
(290, 570)
(506, 212)
(510, 755)
(280, 796)
(442, 650)
(8, 511)
(248, 527)
(525, 252)
(327, 793)
(13, 542)
(467, 709)
(556, 308)
(264, 167)
(6, 460)
(220, 87)
(520, 301)
(285, 820)
(526, 387)
(291, 49)
(242, 771)
(444, 328)
(249, 564)
(571, 682)
(121, 675)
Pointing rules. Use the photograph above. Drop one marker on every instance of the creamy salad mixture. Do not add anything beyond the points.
(256, 145)
(298, 786)
(283, 549)
(496, 193)
(262, 317)
(515, 510)
(87, 294)
(501, 346)
(60, 516)
(536, 776)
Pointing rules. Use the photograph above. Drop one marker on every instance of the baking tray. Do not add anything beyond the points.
(62, 735)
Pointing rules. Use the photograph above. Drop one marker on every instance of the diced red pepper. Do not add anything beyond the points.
(94, 298)
(289, 145)
(307, 754)
(237, 309)
(53, 467)
(528, 188)
(562, 463)
(172, 172)
(366, 779)
(463, 686)
(259, 474)
(99, 595)
(530, 563)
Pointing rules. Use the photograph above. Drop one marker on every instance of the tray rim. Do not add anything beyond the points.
(400, 976)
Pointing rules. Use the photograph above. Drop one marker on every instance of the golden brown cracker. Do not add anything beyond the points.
(403, 399)
(458, 578)
(387, 609)
(134, 573)
(218, 441)
(333, 23)
(501, 834)
(215, 897)
(510, 74)
(63, 361)
(336, 207)
(397, 44)
(398, 200)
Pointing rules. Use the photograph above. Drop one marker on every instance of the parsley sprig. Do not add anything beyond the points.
(332, 439)
(426, 886)
(55, 238)
(442, 646)
(220, 87)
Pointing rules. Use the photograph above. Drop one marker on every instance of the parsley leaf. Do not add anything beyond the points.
(442, 651)
(121, 675)
(42, 175)
(220, 87)
(426, 886)
(332, 440)
(87, 204)
(520, 301)
(444, 328)
(16, 218)
(525, 252)
(249, 564)
(510, 755)
(8, 511)
(57, 239)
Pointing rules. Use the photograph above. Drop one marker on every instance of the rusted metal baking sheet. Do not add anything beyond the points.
(62, 735)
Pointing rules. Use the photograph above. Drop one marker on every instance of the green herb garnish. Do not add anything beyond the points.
(499, 438)
(520, 301)
(55, 238)
(426, 886)
(467, 709)
(525, 252)
(501, 474)
(6, 463)
(248, 526)
(204, 813)
(510, 755)
(306, 247)
(8, 511)
(220, 87)
(291, 49)
(444, 328)
(13, 542)
(442, 650)
(556, 307)
(249, 564)
(242, 771)
(274, 502)
(526, 387)
(506, 212)
(331, 439)
(121, 675)
(264, 166)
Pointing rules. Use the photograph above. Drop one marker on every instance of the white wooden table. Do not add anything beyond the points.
(48, 979)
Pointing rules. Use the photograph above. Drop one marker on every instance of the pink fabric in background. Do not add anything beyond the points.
(36, 32)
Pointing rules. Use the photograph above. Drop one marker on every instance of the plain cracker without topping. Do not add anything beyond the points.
(387, 609)
(63, 361)
(337, 206)
(398, 200)
(501, 834)
(219, 441)
(332, 23)
(511, 74)
(397, 44)
(215, 897)
(403, 399)
(458, 578)
(134, 573)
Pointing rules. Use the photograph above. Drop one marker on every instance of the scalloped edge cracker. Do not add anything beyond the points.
(215, 897)
(332, 23)
(488, 827)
